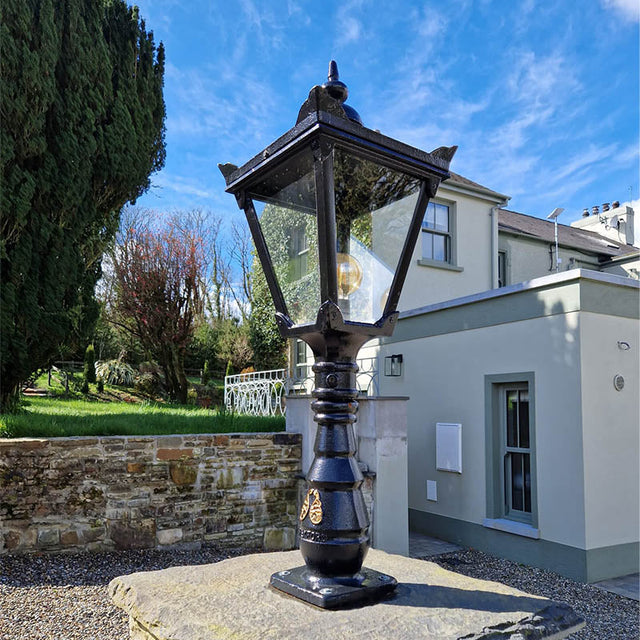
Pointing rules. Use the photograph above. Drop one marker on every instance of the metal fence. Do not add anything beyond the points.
(263, 393)
(259, 393)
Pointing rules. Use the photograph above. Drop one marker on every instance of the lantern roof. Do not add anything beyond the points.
(358, 194)
(325, 114)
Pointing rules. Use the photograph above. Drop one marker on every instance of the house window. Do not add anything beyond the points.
(300, 357)
(502, 268)
(517, 451)
(436, 233)
(299, 254)
(510, 433)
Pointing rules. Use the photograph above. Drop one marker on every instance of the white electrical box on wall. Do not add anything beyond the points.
(432, 490)
(449, 447)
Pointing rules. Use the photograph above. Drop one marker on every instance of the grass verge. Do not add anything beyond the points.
(54, 417)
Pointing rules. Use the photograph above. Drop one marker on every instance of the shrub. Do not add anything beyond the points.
(115, 372)
(148, 384)
(150, 366)
(150, 380)
(89, 365)
(217, 396)
(210, 391)
(206, 374)
(229, 371)
(192, 396)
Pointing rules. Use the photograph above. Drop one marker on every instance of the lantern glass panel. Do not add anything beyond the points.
(285, 202)
(374, 207)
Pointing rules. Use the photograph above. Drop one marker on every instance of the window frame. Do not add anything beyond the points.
(502, 268)
(299, 253)
(509, 451)
(299, 356)
(450, 262)
(498, 509)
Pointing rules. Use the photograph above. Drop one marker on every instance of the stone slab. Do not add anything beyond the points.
(232, 599)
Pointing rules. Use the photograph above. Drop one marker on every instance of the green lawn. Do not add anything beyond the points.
(55, 417)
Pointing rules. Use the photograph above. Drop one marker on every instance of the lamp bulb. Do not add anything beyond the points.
(349, 275)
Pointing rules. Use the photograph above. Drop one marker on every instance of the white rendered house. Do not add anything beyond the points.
(522, 384)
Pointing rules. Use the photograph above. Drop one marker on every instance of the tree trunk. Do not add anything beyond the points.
(9, 400)
(181, 376)
(176, 379)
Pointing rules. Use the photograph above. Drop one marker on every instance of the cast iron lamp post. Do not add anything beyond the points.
(335, 210)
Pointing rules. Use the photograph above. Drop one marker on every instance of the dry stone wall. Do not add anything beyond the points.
(231, 491)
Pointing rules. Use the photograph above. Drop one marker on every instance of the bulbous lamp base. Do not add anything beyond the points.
(365, 587)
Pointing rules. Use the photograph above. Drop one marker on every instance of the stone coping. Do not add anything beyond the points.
(360, 399)
(8, 442)
(232, 600)
(555, 279)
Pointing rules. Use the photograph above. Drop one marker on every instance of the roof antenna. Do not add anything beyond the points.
(554, 216)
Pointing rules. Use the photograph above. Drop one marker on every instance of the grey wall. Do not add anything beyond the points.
(564, 330)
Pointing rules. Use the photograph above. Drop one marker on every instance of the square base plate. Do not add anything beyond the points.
(371, 586)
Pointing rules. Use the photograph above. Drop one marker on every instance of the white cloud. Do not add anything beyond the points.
(159, 14)
(520, 101)
(630, 154)
(520, 135)
(541, 80)
(527, 7)
(222, 105)
(432, 24)
(295, 10)
(181, 184)
(628, 9)
(418, 89)
(524, 16)
(507, 155)
(584, 160)
(515, 133)
(349, 28)
(254, 16)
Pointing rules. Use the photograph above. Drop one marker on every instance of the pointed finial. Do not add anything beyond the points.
(338, 91)
(333, 71)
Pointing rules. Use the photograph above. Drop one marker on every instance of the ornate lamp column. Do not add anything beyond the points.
(335, 210)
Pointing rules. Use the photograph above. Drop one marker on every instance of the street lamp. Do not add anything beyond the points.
(335, 210)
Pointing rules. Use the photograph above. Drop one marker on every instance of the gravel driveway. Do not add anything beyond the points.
(608, 616)
(64, 597)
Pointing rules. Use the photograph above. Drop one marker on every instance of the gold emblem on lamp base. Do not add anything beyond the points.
(314, 510)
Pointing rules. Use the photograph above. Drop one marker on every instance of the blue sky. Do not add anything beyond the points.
(540, 96)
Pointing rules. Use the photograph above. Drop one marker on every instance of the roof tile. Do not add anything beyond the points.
(590, 241)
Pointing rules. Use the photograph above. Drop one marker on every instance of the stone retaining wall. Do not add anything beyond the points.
(74, 494)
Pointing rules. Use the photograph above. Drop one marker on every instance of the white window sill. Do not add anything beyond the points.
(438, 264)
(512, 526)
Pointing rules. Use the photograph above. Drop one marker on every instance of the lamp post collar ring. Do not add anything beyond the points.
(331, 329)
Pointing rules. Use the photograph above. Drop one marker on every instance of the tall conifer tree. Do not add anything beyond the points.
(82, 125)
